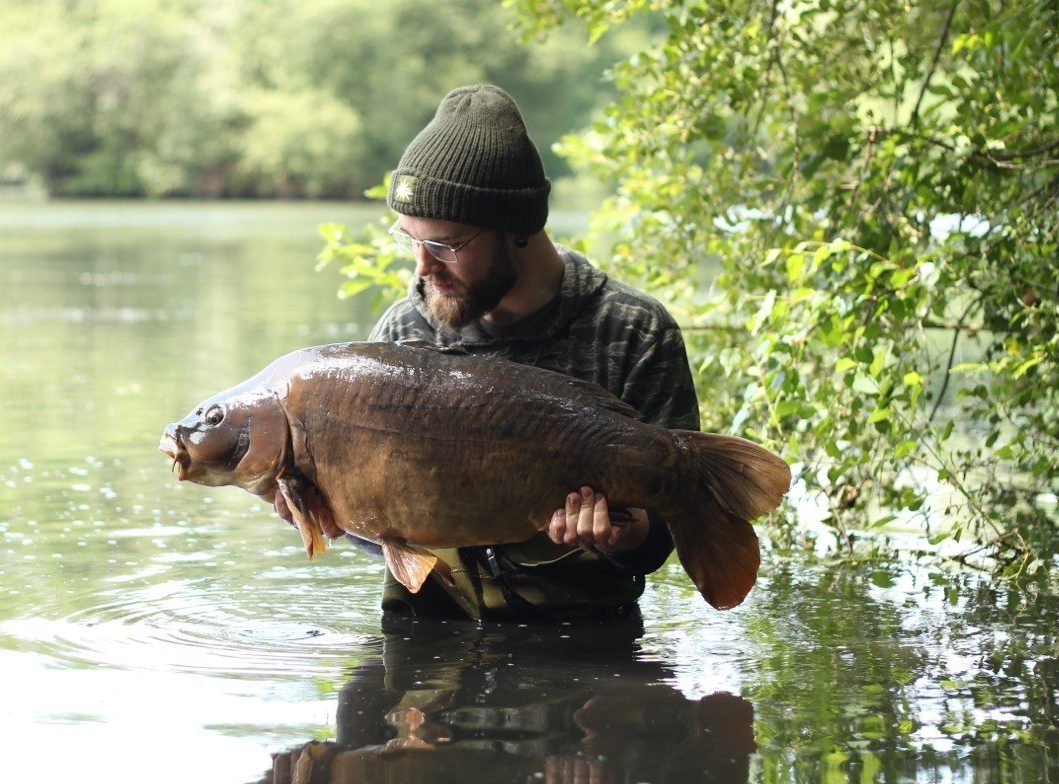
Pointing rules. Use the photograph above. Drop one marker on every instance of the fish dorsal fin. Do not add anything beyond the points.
(426, 344)
(306, 517)
(534, 377)
(553, 382)
(593, 393)
(409, 564)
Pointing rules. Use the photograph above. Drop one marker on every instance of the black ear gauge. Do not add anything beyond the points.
(521, 242)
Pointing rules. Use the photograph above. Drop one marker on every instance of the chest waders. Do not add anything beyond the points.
(535, 580)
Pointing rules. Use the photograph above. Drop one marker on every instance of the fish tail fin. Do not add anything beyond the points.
(731, 482)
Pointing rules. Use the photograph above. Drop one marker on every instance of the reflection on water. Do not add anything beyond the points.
(451, 702)
(151, 630)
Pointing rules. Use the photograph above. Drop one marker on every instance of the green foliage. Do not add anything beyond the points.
(878, 183)
(265, 98)
(369, 261)
(300, 142)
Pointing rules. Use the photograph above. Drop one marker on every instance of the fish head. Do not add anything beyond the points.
(231, 439)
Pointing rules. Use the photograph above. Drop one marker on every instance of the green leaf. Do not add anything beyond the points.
(878, 415)
(865, 384)
(332, 232)
(905, 448)
(351, 288)
(795, 267)
(879, 362)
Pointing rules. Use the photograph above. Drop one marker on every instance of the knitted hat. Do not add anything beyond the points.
(473, 163)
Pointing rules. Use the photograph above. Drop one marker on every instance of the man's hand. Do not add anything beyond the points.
(586, 521)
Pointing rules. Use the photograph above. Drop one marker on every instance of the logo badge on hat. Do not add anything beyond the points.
(405, 189)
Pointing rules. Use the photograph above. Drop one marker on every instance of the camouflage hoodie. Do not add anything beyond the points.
(596, 329)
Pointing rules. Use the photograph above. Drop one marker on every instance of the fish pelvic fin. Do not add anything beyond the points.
(306, 515)
(408, 563)
(728, 481)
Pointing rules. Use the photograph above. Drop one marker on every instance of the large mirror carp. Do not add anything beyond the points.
(415, 447)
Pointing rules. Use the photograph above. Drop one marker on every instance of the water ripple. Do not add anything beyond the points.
(191, 626)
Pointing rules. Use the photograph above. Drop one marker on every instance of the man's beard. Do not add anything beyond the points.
(467, 303)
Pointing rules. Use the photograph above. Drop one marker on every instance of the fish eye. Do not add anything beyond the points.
(214, 415)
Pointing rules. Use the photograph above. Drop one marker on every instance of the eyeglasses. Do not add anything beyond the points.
(438, 250)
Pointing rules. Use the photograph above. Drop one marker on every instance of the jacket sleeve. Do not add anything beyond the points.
(660, 387)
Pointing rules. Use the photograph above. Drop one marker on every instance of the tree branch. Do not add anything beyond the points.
(1010, 155)
(945, 326)
(914, 122)
(948, 365)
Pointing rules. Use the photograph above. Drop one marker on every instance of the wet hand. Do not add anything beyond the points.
(587, 522)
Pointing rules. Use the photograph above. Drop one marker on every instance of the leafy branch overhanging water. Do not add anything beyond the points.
(879, 189)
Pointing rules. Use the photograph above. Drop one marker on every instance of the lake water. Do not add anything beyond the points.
(163, 632)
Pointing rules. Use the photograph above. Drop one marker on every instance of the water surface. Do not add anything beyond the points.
(151, 630)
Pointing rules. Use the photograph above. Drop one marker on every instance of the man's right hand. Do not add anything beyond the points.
(586, 521)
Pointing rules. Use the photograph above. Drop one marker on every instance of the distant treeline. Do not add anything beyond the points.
(264, 98)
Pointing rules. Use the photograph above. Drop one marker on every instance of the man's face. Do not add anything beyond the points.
(459, 293)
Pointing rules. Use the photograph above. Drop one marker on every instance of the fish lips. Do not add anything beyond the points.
(171, 446)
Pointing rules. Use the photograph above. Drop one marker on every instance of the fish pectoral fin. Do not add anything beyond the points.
(408, 563)
(305, 517)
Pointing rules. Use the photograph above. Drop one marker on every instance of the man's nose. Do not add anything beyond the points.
(426, 263)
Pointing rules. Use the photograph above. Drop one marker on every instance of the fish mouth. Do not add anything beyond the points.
(171, 447)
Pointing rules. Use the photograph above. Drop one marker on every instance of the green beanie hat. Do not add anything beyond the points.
(474, 163)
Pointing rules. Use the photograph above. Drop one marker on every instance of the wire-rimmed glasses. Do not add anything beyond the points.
(406, 243)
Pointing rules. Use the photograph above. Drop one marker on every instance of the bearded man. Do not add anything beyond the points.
(472, 201)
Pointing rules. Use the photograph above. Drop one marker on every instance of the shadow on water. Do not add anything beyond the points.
(446, 701)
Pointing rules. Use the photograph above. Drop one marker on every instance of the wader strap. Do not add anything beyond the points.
(609, 559)
(511, 596)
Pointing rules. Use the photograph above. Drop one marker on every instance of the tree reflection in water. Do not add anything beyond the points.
(452, 702)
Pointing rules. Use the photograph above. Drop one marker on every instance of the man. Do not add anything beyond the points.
(472, 199)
